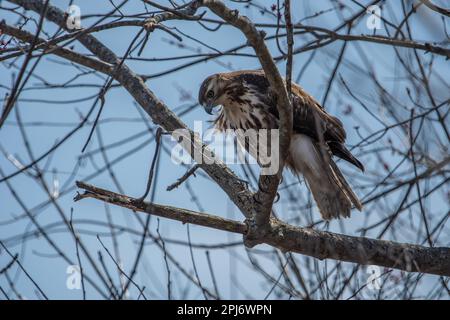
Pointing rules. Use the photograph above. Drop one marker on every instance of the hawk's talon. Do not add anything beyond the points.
(277, 198)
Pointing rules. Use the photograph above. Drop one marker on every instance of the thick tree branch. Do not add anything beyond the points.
(317, 244)
(183, 215)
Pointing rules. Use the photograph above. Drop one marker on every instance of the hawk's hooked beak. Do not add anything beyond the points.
(209, 107)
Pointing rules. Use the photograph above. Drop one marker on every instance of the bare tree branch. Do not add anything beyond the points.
(436, 8)
(317, 244)
(183, 215)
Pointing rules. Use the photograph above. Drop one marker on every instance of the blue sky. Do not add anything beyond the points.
(231, 266)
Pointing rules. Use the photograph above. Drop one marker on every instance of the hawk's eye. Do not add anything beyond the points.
(210, 94)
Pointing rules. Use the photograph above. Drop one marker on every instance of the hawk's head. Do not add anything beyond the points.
(212, 92)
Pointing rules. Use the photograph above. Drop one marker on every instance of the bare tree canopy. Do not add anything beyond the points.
(106, 149)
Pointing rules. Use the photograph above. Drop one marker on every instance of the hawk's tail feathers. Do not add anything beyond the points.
(329, 193)
(332, 193)
(345, 187)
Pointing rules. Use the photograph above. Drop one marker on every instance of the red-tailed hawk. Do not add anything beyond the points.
(248, 102)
